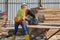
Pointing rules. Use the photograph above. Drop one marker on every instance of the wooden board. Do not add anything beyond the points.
(51, 32)
(33, 26)
(51, 14)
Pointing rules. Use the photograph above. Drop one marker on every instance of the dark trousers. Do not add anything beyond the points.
(23, 25)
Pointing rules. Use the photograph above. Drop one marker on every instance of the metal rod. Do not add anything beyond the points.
(32, 3)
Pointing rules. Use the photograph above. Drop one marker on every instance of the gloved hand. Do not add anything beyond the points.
(33, 21)
(22, 20)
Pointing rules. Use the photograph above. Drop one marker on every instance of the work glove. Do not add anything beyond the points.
(33, 21)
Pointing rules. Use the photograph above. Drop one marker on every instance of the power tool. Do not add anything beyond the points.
(32, 21)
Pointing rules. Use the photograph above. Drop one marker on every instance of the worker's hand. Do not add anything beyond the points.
(22, 20)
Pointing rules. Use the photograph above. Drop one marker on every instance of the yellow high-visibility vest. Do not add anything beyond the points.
(20, 15)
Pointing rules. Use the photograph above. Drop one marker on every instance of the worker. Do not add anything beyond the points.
(20, 20)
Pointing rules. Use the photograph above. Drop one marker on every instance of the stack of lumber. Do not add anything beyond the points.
(3, 24)
(51, 14)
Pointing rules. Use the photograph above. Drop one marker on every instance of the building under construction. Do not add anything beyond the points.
(47, 13)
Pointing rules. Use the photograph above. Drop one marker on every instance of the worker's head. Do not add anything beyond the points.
(24, 5)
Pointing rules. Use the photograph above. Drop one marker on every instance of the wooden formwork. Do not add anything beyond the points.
(3, 24)
(50, 14)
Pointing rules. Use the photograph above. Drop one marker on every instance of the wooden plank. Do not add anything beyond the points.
(53, 16)
(51, 32)
(50, 10)
(57, 20)
(58, 33)
(51, 21)
(33, 26)
(55, 24)
(55, 37)
(43, 25)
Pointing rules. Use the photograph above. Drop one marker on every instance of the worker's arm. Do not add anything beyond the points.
(31, 14)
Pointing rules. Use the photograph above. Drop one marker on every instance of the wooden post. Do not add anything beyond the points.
(40, 3)
(7, 7)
